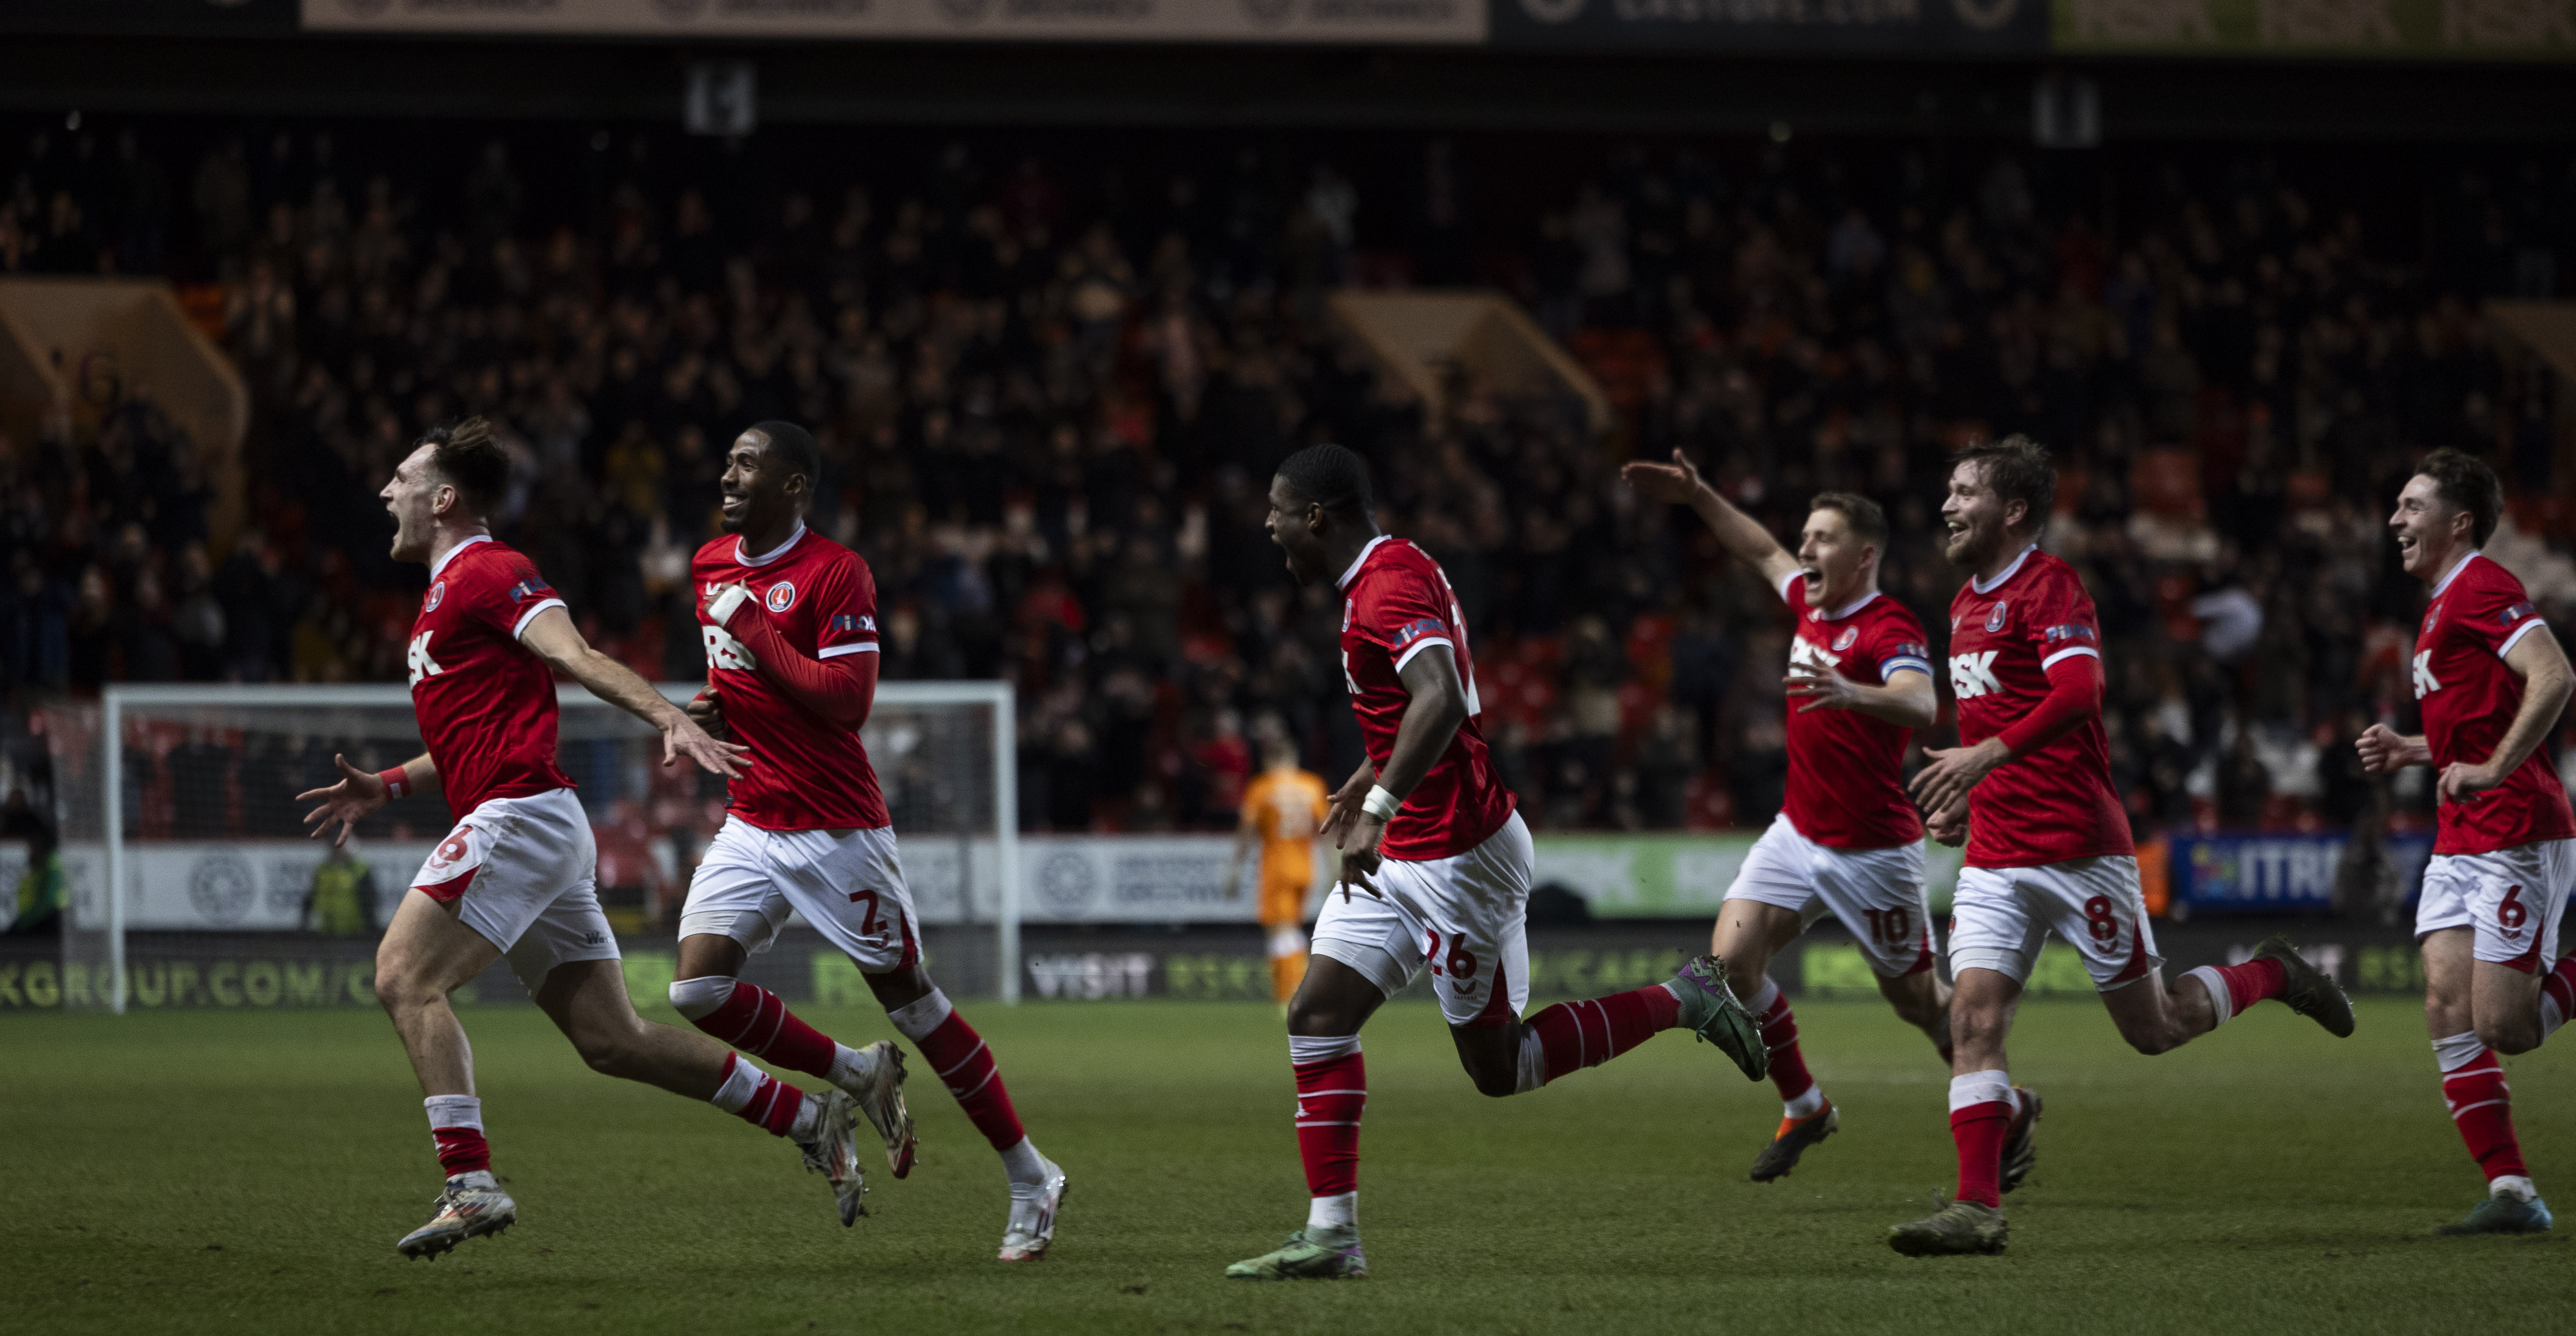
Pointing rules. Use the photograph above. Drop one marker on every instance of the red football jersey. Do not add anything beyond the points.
(2469, 697)
(2057, 803)
(1396, 604)
(808, 774)
(1846, 769)
(486, 702)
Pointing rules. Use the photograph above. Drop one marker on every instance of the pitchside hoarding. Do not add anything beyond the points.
(1788, 27)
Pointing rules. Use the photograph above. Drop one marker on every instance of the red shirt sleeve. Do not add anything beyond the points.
(1404, 615)
(509, 595)
(2495, 612)
(845, 610)
(1900, 644)
(2062, 624)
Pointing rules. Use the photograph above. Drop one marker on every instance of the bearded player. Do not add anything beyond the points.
(790, 623)
(514, 879)
(1441, 863)
(2048, 843)
(2492, 682)
(1847, 840)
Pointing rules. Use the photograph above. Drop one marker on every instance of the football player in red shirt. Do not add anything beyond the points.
(1847, 840)
(514, 879)
(789, 618)
(2492, 681)
(1426, 816)
(2029, 786)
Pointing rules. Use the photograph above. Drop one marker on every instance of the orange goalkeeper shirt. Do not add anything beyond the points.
(1286, 808)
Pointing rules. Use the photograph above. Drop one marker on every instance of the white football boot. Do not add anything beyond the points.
(880, 1097)
(1032, 1225)
(469, 1206)
(834, 1153)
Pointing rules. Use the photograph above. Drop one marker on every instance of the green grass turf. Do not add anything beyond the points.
(210, 1171)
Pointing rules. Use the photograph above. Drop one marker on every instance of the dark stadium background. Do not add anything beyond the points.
(2241, 315)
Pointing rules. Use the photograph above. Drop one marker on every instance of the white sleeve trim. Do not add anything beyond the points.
(1905, 664)
(531, 615)
(2052, 660)
(838, 650)
(2518, 633)
(1417, 647)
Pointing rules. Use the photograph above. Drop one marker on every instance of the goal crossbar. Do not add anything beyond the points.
(116, 700)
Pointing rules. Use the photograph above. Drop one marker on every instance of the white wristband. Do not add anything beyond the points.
(734, 596)
(1380, 804)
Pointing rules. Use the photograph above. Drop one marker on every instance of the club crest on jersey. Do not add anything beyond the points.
(2431, 615)
(1849, 637)
(781, 596)
(437, 592)
(1995, 616)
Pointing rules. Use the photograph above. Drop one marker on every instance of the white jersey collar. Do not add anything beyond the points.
(439, 566)
(1847, 609)
(1990, 586)
(773, 554)
(2454, 573)
(1354, 572)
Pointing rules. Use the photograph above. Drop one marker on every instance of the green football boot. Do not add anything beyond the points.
(2309, 991)
(1711, 1011)
(2503, 1214)
(1309, 1254)
(1958, 1228)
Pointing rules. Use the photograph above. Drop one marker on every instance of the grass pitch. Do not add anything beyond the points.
(236, 1172)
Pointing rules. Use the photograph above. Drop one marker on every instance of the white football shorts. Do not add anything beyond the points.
(2001, 916)
(2513, 898)
(1466, 917)
(849, 886)
(522, 872)
(1877, 894)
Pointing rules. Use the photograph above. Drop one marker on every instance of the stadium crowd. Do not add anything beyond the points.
(1050, 405)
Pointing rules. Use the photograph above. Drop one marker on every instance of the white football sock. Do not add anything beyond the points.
(1805, 1105)
(1339, 1211)
(699, 997)
(809, 1117)
(1988, 1087)
(851, 1066)
(454, 1111)
(2515, 1186)
(1025, 1167)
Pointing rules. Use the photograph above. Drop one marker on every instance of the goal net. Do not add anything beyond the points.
(182, 799)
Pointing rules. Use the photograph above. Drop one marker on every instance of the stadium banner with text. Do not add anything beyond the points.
(2274, 874)
(1390, 22)
(291, 971)
(2335, 29)
(1813, 27)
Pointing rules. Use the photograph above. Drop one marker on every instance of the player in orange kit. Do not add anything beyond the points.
(1282, 809)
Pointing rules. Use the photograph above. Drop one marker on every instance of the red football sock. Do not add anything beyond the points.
(1979, 1129)
(1575, 1035)
(753, 1019)
(2558, 995)
(461, 1150)
(2252, 982)
(965, 1064)
(2482, 1107)
(1780, 1035)
(757, 1097)
(1331, 1093)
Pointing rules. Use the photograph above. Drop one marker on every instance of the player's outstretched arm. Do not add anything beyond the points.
(841, 689)
(553, 638)
(359, 794)
(2546, 685)
(1679, 482)
(1907, 699)
(1437, 706)
(2386, 751)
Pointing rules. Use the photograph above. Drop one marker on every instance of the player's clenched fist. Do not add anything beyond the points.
(2385, 751)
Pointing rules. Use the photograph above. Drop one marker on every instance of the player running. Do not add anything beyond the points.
(1847, 841)
(2492, 682)
(1427, 816)
(514, 878)
(1282, 808)
(2029, 787)
(790, 623)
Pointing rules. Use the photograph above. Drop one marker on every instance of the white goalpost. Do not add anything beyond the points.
(177, 816)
